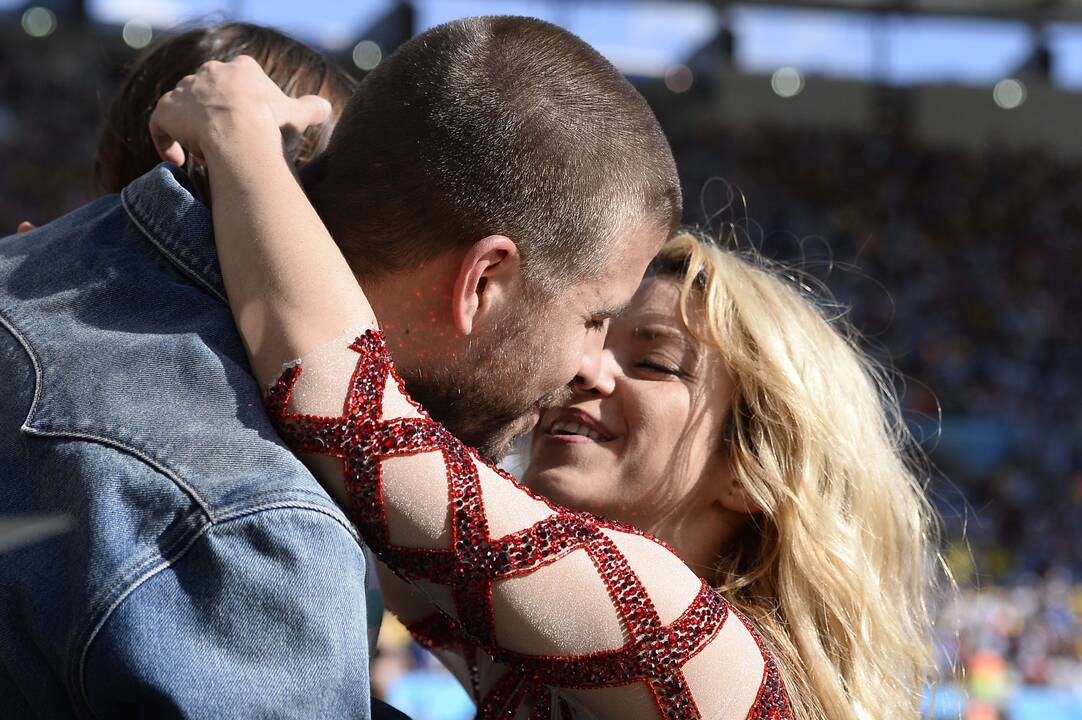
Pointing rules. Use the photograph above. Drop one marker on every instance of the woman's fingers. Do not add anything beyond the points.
(221, 98)
(163, 123)
(301, 113)
(172, 122)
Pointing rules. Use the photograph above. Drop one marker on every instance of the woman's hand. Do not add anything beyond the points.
(225, 107)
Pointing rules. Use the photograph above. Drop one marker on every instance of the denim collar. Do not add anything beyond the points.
(163, 206)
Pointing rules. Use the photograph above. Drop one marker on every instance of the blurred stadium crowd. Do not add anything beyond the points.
(963, 270)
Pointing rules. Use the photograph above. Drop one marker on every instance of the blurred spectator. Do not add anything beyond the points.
(1004, 644)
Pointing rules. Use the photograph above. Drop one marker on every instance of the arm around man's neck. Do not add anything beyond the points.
(290, 289)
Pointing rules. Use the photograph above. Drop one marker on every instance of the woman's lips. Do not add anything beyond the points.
(574, 426)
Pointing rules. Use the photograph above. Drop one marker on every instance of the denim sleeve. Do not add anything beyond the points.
(263, 616)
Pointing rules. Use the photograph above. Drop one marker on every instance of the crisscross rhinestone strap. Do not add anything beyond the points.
(654, 653)
(439, 632)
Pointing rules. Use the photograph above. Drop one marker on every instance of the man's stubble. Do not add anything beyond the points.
(486, 395)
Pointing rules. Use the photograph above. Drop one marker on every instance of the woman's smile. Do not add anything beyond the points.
(572, 426)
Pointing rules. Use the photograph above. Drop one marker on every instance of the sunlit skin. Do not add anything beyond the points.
(653, 455)
(466, 315)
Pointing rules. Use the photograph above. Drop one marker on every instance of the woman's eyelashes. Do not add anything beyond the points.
(661, 367)
(657, 351)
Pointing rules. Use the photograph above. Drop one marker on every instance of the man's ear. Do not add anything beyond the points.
(487, 276)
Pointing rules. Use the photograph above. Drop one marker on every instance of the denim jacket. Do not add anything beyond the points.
(205, 573)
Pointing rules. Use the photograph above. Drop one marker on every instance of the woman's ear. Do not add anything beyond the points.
(734, 496)
(487, 276)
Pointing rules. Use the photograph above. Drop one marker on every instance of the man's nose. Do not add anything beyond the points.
(596, 367)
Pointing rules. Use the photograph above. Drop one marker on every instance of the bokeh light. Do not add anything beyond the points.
(1009, 93)
(39, 22)
(137, 33)
(679, 79)
(367, 55)
(787, 82)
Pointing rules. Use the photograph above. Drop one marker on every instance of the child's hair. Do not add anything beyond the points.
(125, 148)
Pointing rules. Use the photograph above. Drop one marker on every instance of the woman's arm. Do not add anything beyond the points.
(289, 287)
(607, 614)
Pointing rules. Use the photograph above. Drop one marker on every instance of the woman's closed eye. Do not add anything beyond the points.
(660, 366)
(660, 351)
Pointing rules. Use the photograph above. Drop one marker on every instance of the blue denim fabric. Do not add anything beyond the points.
(206, 573)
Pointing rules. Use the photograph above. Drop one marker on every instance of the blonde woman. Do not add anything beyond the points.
(766, 551)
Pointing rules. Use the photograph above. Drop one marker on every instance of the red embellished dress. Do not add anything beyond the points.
(558, 613)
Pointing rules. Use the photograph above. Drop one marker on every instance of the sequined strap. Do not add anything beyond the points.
(654, 653)
(772, 701)
(437, 632)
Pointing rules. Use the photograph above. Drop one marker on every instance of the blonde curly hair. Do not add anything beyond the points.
(838, 569)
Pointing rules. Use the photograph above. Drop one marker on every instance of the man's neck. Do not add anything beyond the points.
(414, 312)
